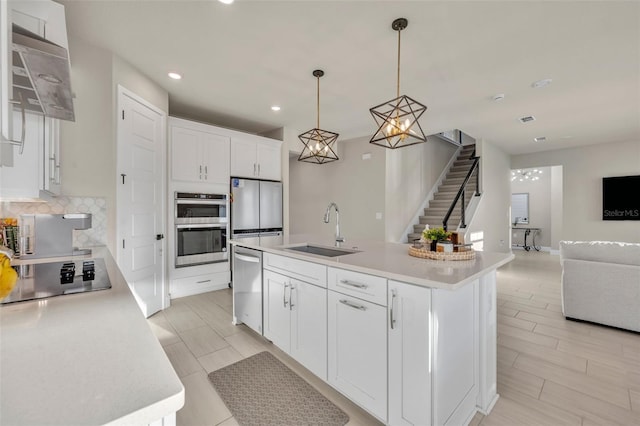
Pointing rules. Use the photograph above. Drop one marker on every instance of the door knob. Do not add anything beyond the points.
(159, 236)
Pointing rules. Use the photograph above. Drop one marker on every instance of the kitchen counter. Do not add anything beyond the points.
(82, 359)
(392, 261)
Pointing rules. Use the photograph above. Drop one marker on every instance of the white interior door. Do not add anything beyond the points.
(140, 199)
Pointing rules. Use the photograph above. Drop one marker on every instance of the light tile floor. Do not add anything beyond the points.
(550, 371)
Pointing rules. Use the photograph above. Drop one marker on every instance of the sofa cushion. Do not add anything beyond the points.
(601, 251)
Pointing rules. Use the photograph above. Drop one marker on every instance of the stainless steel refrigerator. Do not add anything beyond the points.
(256, 211)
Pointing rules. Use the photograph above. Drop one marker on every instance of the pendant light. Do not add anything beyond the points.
(397, 119)
(318, 144)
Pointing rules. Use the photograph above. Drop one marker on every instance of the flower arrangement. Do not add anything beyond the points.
(436, 234)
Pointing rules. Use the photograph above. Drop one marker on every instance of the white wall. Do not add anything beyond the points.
(492, 219)
(539, 206)
(88, 145)
(583, 169)
(357, 186)
(87, 151)
(556, 207)
(392, 182)
(288, 137)
(410, 173)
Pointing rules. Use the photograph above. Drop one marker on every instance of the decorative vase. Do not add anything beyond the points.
(434, 245)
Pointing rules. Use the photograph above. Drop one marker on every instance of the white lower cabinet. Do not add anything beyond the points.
(357, 355)
(277, 317)
(189, 285)
(409, 354)
(455, 354)
(295, 319)
(309, 326)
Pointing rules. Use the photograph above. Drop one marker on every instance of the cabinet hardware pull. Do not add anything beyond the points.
(20, 143)
(353, 305)
(258, 169)
(291, 288)
(205, 172)
(200, 172)
(52, 169)
(392, 320)
(254, 169)
(203, 281)
(284, 295)
(352, 284)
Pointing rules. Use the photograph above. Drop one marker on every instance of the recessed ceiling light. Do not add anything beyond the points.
(498, 97)
(540, 139)
(527, 119)
(541, 83)
(226, 1)
(275, 108)
(174, 75)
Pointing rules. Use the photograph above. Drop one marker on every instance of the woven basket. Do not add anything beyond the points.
(439, 255)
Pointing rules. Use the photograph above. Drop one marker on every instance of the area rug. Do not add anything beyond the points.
(261, 390)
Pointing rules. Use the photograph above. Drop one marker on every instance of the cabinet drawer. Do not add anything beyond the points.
(357, 284)
(306, 271)
(197, 284)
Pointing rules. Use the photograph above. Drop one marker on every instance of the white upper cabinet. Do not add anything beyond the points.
(198, 154)
(30, 147)
(256, 157)
(22, 181)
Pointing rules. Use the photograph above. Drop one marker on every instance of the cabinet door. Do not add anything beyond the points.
(243, 157)
(309, 326)
(186, 161)
(51, 167)
(23, 179)
(357, 351)
(215, 158)
(409, 346)
(276, 298)
(269, 160)
(455, 354)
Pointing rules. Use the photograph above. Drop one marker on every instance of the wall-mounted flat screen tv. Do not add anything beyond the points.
(621, 198)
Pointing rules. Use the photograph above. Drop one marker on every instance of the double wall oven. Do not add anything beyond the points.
(202, 226)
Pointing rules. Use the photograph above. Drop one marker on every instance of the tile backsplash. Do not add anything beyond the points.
(97, 206)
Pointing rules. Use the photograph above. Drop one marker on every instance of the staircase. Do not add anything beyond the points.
(447, 191)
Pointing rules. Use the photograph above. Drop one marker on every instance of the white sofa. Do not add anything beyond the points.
(601, 282)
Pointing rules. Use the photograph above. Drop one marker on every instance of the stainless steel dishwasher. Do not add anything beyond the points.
(247, 287)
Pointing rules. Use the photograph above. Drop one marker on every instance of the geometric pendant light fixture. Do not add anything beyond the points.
(397, 119)
(318, 144)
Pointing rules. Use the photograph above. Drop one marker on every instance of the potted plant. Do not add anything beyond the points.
(435, 235)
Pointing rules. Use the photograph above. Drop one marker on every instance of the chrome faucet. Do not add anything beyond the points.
(339, 239)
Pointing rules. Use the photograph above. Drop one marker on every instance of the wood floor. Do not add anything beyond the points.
(550, 371)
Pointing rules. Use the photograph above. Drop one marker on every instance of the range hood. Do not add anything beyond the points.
(41, 75)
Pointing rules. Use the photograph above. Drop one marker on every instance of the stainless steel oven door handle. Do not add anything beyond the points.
(247, 258)
(202, 225)
(201, 202)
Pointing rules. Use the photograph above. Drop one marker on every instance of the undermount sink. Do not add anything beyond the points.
(322, 251)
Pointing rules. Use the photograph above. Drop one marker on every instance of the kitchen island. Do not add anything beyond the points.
(83, 359)
(410, 340)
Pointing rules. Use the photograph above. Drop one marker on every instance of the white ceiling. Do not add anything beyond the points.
(237, 60)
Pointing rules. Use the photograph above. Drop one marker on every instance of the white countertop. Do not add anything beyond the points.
(83, 359)
(392, 261)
